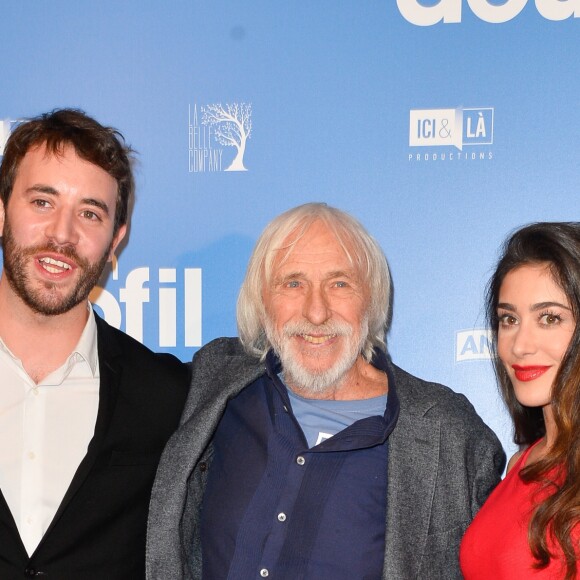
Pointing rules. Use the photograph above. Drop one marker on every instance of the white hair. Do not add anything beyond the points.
(277, 242)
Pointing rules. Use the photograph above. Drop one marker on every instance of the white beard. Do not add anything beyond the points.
(316, 381)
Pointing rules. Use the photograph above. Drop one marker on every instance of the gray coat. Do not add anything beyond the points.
(443, 463)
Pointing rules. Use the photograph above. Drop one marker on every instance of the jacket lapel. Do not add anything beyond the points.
(412, 474)
(219, 371)
(110, 376)
(7, 523)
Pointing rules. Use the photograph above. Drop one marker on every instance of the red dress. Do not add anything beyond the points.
(495, 545)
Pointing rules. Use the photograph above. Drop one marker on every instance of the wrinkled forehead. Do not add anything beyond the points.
(307, 242)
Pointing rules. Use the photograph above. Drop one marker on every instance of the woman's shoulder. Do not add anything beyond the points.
(514, 459)
(521, 456)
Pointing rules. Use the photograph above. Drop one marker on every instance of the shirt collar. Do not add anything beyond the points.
(87, 344)
(86, 350)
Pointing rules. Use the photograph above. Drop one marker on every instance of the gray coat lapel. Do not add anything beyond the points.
(214, 381)
(413, 465)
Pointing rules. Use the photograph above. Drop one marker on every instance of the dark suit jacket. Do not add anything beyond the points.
(443, 463)
(98, 532)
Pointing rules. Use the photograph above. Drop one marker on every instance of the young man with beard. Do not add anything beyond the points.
(303, 451)
(85, 410)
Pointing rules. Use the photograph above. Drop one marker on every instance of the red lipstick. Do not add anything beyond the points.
(529, 373)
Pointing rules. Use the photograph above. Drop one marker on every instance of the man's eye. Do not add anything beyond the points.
(90, 215)
(293, 284)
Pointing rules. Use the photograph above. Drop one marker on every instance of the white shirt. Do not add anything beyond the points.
(44, 432)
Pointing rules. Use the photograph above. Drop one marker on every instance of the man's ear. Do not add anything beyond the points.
(117, 238)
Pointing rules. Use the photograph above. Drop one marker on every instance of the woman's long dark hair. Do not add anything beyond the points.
(558, 246)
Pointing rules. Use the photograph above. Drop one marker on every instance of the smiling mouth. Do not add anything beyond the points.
(529, 373)
(317, 339)
(54, 266)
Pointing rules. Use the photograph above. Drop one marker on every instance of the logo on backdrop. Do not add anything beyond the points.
(6, 126)
(451, 130)
(449, 11)
(152, 301)
(472, 344)
(218, 135)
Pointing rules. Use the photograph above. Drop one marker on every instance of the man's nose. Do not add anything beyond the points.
(62, 228)
(316, 307)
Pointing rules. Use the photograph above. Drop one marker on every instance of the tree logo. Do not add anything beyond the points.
(228, 125)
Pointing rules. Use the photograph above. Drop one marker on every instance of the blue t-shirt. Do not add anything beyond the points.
(320, 419)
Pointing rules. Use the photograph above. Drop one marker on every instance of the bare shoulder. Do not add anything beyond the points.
(514, 459)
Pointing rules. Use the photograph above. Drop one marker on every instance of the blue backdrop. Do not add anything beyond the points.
(440, 125)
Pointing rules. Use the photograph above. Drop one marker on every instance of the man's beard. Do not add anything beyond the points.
(316, 381)
(48, 301)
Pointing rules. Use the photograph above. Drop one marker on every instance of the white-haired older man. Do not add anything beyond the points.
(303, 451)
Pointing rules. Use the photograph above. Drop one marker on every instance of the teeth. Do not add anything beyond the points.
(317, 339)
(48, 264)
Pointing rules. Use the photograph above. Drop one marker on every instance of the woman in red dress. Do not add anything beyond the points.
(529, 526)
